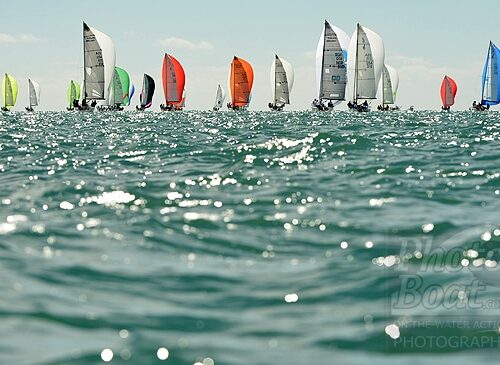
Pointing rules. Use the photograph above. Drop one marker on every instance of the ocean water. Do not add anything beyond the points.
(249, 238)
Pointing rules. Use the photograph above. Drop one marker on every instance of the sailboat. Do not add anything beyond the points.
(281, 83)
(148, 90)
(388, 87)
(365, 61)
(74, 89)
(33, 95)
(174, 80)
(9, 92)
(120, 89)
(240, 84)
(219, 98)
(331, 76)
(448, 93)
(99, 67)
(490, 90)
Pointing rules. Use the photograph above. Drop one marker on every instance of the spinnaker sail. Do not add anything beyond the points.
(99, 64)
(490, 94)
(240, 82)
(121, 84)
(365, 62)
(448, 91)
(10, 90)
(131, 94)
(148, 90)
(73, 93)
(282, 78)
(174, 80)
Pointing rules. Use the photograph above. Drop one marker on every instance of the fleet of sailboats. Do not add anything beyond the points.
(351, 69)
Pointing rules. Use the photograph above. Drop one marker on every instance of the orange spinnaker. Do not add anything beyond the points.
(174, 80)
(448, 91)
(241, 82)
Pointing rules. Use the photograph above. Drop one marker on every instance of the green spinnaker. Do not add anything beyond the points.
(9, 91)
(73, 92)
(121, 85)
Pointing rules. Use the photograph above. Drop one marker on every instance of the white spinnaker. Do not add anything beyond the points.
(365, 61)
(34, 92)
(282, 78)
(107, 50)
(344, 40)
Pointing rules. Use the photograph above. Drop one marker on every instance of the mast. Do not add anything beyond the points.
(29, 91)
(233, 69)
(487, 63)
(383, 87)
(84, 98)
(322, 63)
(356, 66)
(275, 71)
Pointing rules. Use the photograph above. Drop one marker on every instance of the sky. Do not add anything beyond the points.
(424, 40)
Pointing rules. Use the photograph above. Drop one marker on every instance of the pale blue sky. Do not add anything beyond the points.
(423, 40)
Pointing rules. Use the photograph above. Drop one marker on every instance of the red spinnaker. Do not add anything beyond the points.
(448, 91)
(174, 80)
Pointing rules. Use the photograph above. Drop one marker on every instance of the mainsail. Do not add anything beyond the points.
(491, 82)
(282, 78)
(34, 93)
(121, 84)
(240, 82)
(219, 97)
(148, 89)
(448, 91)
(9, 91)
(365, 62)
(331, 57)
(389, 83)
(174, 80)
(73, 93)
(99, 64)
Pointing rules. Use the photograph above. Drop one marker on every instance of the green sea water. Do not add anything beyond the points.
(249, 238)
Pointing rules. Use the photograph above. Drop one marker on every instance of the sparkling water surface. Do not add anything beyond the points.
(236, 238)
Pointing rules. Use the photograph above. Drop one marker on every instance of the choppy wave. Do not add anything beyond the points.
(235, 238)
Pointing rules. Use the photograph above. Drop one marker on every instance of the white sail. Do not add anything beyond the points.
(388, 86)
(219, 97)
(344, 40)
(99, 63)
(365, 62)
(34, 93)
(282, 78)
